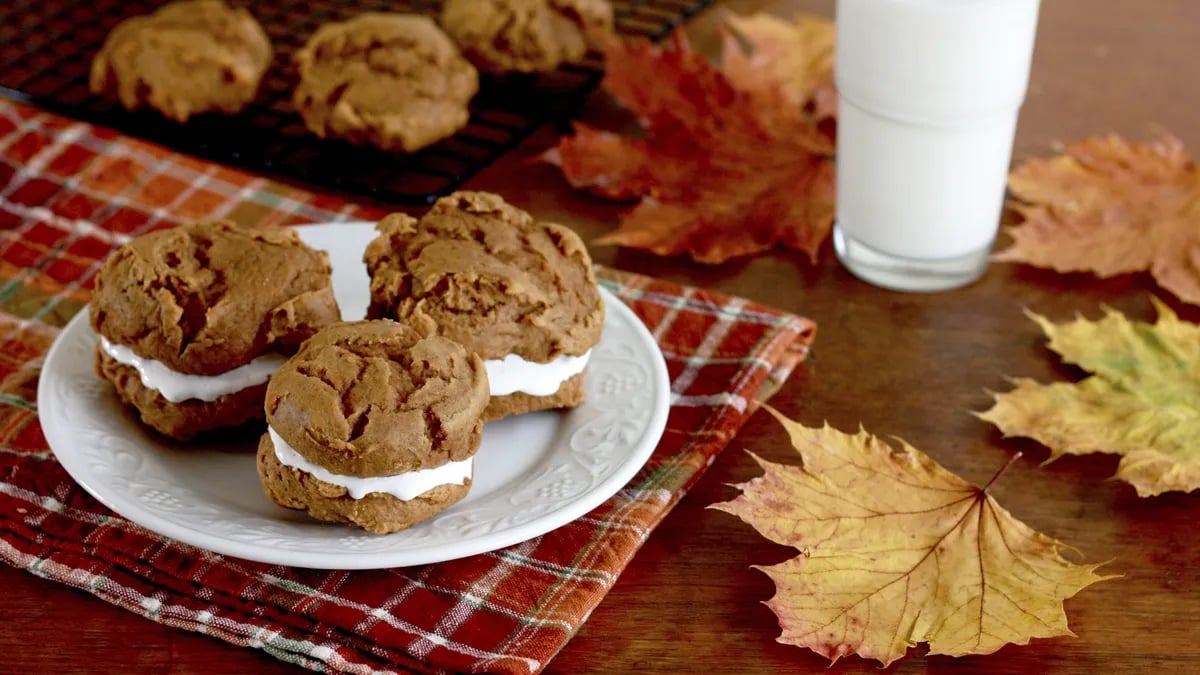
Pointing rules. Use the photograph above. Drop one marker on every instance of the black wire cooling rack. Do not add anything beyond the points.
(46, 48)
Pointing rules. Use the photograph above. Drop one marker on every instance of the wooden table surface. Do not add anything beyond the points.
(906, 365)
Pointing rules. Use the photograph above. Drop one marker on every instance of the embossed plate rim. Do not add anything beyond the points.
(625, 336)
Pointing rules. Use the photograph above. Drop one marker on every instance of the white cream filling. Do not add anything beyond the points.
(176, 387)
(407, 485)
(513, 374)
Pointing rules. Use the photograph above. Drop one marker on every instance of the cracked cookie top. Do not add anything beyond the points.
(375, 398)
(208, 297)
(501, 36)
(186, 58)
(394, 81)
(485, 274)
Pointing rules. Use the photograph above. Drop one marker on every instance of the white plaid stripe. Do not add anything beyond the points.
(32, 215)
(23, 125)
(603, 578)
(60, 140)
(264, 580)
(53, 505)
(479, 601)
(204, 621)
(672, 311)
(329, 585)
(712, 339)
(463, 609)
(710, 400)
(42, 455)
(694, 305)
(31, 169)
(383, 610)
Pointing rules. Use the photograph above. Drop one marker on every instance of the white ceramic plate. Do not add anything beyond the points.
(532, 474)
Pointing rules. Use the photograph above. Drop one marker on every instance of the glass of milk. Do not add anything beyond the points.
(929, 95)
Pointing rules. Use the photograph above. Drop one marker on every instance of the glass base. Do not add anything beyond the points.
(908, 274)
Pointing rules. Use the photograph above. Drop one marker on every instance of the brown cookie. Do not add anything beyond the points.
(485, 274)
(185, 419)
(371, 400)
(377, 512)
(195, 303)
(501, 36)
(188, 57)
(394, 81)
(205, 298)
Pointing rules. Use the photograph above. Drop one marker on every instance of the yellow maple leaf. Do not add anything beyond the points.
(1109, 206)
(1142, 401)
(896, 551)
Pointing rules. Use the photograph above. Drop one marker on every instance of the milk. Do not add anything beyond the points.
(919, 191)
(929, 95)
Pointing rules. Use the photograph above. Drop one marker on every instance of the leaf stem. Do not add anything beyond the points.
(1011, 460)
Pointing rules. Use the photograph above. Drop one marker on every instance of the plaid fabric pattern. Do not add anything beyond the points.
(71, 193)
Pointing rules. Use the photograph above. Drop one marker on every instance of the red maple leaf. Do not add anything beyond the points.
(725, 168)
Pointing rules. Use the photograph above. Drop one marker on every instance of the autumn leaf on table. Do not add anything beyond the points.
(1109, 206)
(798, 55)
(896, 551)
(725, 168)
(1142, 401)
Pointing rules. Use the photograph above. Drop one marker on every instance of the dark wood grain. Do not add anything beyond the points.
(906, 365)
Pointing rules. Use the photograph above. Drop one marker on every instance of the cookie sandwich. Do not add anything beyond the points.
(188, 57)
(194, 320)
(526, 36)
(519, 293)
(393, 81)
(374, 425)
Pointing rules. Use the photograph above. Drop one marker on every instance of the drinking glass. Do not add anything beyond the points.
(929, 92)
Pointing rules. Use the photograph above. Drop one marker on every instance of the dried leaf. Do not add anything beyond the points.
(896, 551)
(1142, 402)
(1111, 207)
(798, 55)
(724, 169)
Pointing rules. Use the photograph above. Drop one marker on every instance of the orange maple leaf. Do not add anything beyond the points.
(798, 55)
(898, 551)
(1109, 206)
(724, 169)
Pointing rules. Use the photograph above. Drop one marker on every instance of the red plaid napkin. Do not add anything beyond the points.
(72, 192)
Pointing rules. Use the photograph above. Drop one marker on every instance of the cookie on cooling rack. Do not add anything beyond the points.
(519, 293)
(194, 320)
(188, 57)
(394, 81)
(503, 36)
(374, 425)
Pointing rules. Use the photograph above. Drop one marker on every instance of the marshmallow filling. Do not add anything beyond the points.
(403, 486)
(513, 374)
(177, 387)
